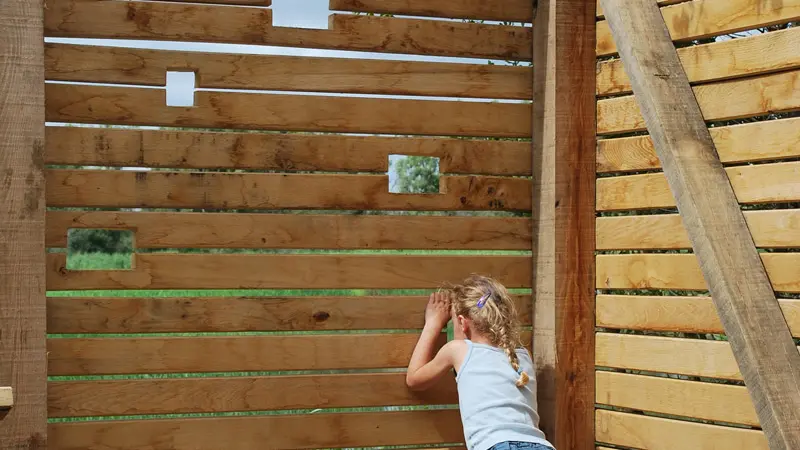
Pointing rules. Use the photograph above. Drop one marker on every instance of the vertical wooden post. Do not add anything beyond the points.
(22, 253)
(564, 139)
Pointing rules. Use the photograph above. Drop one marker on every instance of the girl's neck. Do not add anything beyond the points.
(480, 339)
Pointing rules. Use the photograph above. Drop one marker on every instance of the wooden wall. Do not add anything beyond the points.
(666, 377)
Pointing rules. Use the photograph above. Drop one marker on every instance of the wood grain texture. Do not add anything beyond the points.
(751, 142)
(234, 314)
(654, 433)
(681, 314)
(600, 13)
(704, 18)
(503, 10)
(707, 401)
(203, 395)
(262, 3)
(83, 63)
(301, 231)
(6, 397)
(735, 58)
(764, 183)
(564, 146)
(221, 271)
(279, 112)
(272, 151)
(725, 100)
(770, 229)
(128, 189)
(282, 432)
(22, 289)
(253, 26)
(671, 271)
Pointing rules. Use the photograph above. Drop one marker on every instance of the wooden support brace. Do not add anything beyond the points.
(6, 398)
(742, 293)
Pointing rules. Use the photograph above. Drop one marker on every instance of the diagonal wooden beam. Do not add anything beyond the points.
(742, 293)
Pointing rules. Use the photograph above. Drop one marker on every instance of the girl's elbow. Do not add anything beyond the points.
(414, 383)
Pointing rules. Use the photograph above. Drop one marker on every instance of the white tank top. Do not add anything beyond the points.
(493, 408)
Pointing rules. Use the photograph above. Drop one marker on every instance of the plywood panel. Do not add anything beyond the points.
(505, 10)
(127, 189)
(235, 110)
(221, 271)
(96, 64)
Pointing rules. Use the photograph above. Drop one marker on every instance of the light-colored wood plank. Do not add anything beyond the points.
(704, 18)
(302, 231)
(502, 10)
(751, 142)
(242, 25)
(654, 433)
(281, 432)
(734, 58)
(221, 271)
(671, 271)
(22, 290)
(129, 189)
(203, 314)
(707, 401)
(6, 397)
(681, 314)
(770, 229)
(765, 183)
(660, 3)
(725, 100)
(262, 3)
(83, 146)
(64, 62)
(279, 112)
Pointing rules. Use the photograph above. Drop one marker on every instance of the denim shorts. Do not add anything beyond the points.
(513, 445)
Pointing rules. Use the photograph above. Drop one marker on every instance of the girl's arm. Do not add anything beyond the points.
(425, 368)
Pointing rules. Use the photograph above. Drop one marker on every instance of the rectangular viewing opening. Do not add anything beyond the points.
(99, 249)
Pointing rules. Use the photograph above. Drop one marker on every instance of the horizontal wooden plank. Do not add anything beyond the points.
(281, 112)
(204, 314)
(765, 183)
(128, 189)
(221, 271)
(726, 100)
(300, 231)
(707, 401)
(659, 2)
(203, 395)
(704, 18)
(238, 25)
(734, 58)
(6, 397)
(681, 314)
(244, 433)
(751, 142)
(262, 3)
(277, 151)
(682, 271)
(769, 228)
(655, 433)
(82, 63)
(500, 10)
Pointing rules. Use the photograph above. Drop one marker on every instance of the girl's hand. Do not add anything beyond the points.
(437, 313)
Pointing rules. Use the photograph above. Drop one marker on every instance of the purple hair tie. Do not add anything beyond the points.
(487, 296)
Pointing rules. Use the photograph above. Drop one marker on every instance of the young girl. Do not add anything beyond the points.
(496, 394)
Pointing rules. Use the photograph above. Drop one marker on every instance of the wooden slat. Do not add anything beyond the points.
(725, 100)
(281, 432)
(128, 189)
(670, 271)
(735, 58)
(204, 314)
(262, 3)
(272, 151)
(654, 433)
(704, 18)
(600, 13)
(681, 314)
(241, 25)
(303, 231)
(84, 63)
(770, 229)
(278, 112)
(758, 141)
(220, 271)
(765, 183)
(708, 401)
(6, 397)
(202, 395)
(500, 10)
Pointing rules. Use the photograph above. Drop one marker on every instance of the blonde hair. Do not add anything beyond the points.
(491, 309)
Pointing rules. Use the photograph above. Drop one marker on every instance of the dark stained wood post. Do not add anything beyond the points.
(22, 254)
(731, 266)
(564, 139)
